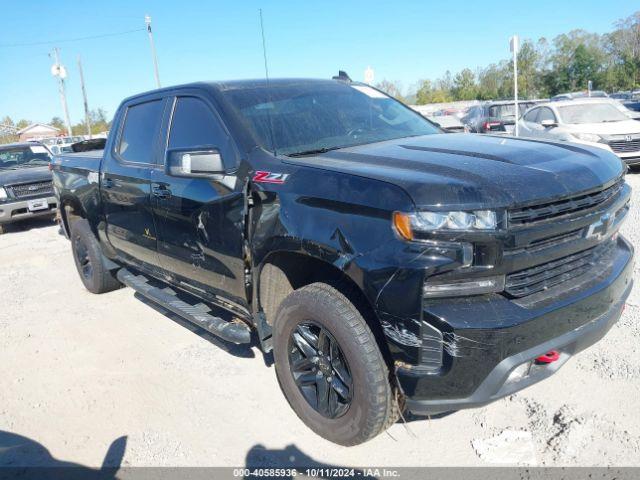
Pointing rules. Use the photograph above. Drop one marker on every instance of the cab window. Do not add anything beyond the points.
(140, 132)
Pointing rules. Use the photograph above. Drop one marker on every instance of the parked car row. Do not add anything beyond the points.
(607, 122)
(595, 122)
(495, 116)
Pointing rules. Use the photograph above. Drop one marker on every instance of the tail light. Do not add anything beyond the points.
(487, 126)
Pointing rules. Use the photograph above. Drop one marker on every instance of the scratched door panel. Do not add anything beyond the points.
(200, 233)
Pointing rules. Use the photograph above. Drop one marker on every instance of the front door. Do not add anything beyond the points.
(200, 220)
(126, 185)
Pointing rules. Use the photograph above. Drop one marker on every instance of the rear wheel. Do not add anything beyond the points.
(88, 259)
(330, 367)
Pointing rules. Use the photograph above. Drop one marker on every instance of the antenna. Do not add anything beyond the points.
(266, 74)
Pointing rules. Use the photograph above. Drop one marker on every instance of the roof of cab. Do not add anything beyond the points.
(227, 85)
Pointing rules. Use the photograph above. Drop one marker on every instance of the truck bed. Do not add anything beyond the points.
(76, 182)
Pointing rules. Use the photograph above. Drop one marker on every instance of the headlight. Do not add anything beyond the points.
(3, 194)
(587, 137)
(406, 224)
(479, 286)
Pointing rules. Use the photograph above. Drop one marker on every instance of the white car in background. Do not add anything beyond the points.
(595, 122)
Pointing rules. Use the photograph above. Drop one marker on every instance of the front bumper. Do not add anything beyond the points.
(487, 337)
(630, 158)
(14, 211)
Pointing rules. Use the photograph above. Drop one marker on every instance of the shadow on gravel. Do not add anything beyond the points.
(410, 417)
(25, 458)
(290, 457)
(240, 351)
(26, 225)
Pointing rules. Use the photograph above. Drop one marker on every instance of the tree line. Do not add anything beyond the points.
(545, 68)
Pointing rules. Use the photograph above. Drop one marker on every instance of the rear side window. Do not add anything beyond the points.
(194, 124)
(546, 114)
(140, 132)
(531, 116)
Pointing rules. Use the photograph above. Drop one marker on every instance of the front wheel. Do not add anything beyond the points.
(330, 368)
(88, 259)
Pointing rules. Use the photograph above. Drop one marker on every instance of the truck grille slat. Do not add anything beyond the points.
(527, 215)
(35, 189)
(624, 146)
(541, 277)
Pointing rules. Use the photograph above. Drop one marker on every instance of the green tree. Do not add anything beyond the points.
(464, 85)
(58, 123)
(430, 93)
(22, 124)
(393, 89)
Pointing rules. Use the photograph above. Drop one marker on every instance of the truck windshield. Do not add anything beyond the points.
(506, 110)
(311, 117)
(12, 158)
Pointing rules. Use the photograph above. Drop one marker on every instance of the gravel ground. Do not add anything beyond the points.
(82, 375)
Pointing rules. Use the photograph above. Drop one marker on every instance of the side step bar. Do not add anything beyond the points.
(197, 314)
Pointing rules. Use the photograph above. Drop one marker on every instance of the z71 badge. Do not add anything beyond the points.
(270, 177)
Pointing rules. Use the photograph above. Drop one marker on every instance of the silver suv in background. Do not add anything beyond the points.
(26, 189)
(595, 122)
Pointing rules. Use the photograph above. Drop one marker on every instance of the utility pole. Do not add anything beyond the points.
(514, 49)
(58, 70)
(147, 21)
(87, 120)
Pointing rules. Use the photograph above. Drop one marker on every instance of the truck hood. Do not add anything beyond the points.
(24, 175)
(475, 171)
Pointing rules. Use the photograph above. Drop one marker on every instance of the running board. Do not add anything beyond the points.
(197, 314)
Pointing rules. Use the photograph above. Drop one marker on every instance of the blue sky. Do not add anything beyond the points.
(200, 40)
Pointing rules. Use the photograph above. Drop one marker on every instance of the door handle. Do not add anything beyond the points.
(107, 182)
(161, 191)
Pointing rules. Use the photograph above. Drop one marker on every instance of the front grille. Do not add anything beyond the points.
(625, 146)
(542, 277)
(546, 211)
(36, 189)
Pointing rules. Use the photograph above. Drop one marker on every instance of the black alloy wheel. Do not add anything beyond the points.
(83, 258)
(320, 370)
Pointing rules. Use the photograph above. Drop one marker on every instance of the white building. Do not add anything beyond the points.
(37, 131)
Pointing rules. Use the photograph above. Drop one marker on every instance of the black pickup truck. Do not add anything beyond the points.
(387, 265)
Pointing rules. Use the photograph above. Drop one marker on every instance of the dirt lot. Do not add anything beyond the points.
(78, 372)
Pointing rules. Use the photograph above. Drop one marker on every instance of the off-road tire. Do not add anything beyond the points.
(373, 406)
(86, 251)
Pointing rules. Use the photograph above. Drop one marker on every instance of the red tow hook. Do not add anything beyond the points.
(549, 357)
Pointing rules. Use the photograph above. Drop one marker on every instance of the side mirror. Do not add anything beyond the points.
(548, 123)
(199, 162)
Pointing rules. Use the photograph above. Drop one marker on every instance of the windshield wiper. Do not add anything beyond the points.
(312, 151)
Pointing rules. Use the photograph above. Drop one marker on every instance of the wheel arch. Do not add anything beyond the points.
(283, 271)
(70, 210)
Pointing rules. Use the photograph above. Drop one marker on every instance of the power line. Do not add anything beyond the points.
(50, 42)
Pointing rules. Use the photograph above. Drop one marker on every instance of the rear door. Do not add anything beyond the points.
(545, 113)
(529, 127)
(200, 220)
(125, 184)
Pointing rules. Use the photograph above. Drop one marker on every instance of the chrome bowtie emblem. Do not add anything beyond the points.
(600, 228)
(628, 138)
